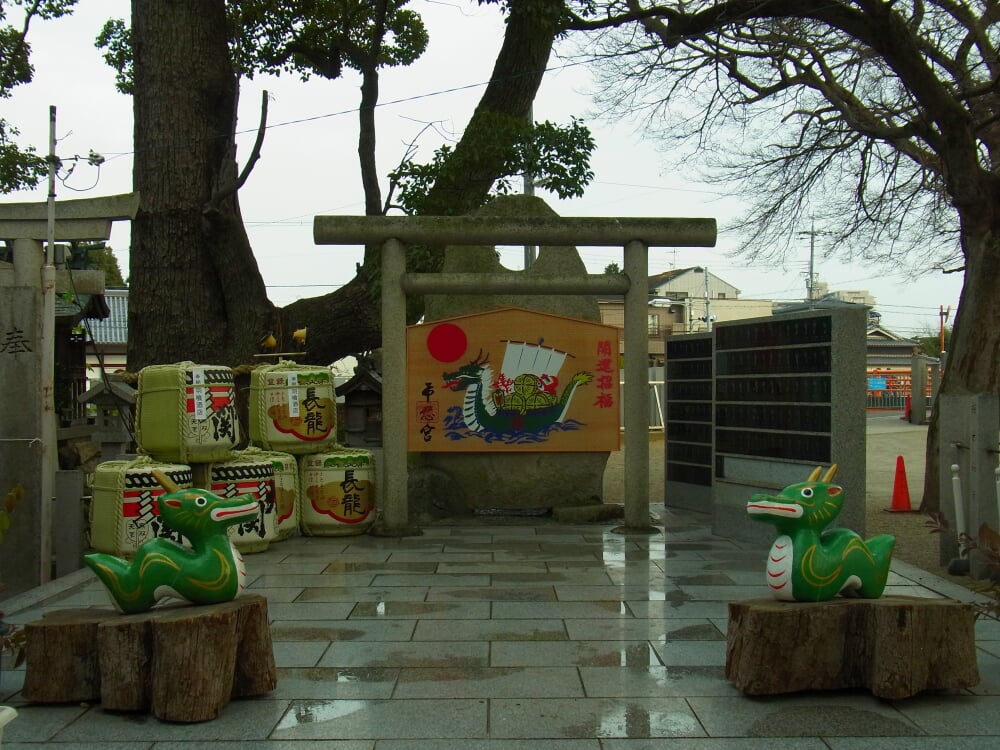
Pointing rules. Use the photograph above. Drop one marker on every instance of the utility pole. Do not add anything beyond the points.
(811, 280)
(48, 427)
(811, 275)
(944, 314)
(529, 189)
(708, 304)
(810, 284)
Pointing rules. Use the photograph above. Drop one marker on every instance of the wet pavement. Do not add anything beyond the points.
(517, 633)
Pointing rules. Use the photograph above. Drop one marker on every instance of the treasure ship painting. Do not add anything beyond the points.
(521, 403)
(512, 379)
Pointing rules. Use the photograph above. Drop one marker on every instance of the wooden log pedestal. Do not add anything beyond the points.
(895, 646)
(182, 663)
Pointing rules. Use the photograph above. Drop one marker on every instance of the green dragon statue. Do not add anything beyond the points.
(808, 564)
(210, 572)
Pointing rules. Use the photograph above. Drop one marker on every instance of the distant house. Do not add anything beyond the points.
(678, 304)
(702, 295)
(684, 283)
(888, 350)
(857, 296)
(108, 337)
(890, 368)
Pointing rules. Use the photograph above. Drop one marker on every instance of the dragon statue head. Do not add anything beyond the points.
(815, 502)
(199, 513)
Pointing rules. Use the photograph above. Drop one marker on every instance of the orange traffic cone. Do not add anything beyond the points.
(900, 490)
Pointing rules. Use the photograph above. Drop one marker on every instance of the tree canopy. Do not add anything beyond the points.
(20, 166)
(309, 38)
(557, 157)
(100, 256)
(826, 112)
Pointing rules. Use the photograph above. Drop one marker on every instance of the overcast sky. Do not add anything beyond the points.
(309, 160)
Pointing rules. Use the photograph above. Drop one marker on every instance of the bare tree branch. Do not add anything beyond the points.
(217, 197)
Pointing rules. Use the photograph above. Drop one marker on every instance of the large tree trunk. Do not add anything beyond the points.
(366, 114)
(343, 322)
(347, 321)
(195, 290)
(973, 364)
(480, 154)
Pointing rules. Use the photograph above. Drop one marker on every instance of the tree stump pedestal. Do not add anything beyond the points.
(181, 663)
(896, 646)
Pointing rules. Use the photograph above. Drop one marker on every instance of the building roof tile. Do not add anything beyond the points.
(114, 328)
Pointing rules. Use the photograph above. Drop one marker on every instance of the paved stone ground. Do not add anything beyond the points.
(517, 637)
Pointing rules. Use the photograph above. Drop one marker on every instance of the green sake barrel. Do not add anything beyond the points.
(186, 413)
(123, 511)
(338, 492)
(293, 408)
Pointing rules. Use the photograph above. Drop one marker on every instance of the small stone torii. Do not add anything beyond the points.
(635, 235)
(27, 431)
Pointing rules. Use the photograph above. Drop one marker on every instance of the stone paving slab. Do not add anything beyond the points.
(517, 637)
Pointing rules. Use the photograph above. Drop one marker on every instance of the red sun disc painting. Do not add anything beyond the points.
(446, 342)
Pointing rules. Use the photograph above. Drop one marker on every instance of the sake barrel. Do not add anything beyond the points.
(186, 412)
(249, 475)
(293, 408)
(338, 492)
(123, 511)
(287, 492)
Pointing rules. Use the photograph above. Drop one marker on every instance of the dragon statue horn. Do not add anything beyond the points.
(815, 474)
(166, 482)
(828, 477)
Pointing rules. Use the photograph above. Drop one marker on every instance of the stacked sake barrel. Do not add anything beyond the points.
(187, 427)
(123, 512)
(293, 409)
(186, 422)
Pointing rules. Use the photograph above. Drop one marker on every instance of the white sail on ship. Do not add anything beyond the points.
(538, 360)
(522, 357)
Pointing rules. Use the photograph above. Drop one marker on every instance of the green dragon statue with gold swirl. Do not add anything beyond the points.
(805, 562)
(211, 571)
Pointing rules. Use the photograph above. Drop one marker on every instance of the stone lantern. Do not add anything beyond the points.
(363, 405)
(115, 402)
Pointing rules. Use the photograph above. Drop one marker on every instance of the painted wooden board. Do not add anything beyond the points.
(512, 380)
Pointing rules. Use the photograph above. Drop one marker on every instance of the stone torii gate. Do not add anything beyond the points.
(27, 427)
(635, 235)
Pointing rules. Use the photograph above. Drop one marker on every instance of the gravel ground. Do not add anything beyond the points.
(888, 438)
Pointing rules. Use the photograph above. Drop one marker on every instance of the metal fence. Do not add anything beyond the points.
(886, 400)
(656, 399)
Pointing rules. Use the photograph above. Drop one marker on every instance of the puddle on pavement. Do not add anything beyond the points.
(316, 712)
(634, 721)
(639, 655)
(705, 632)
